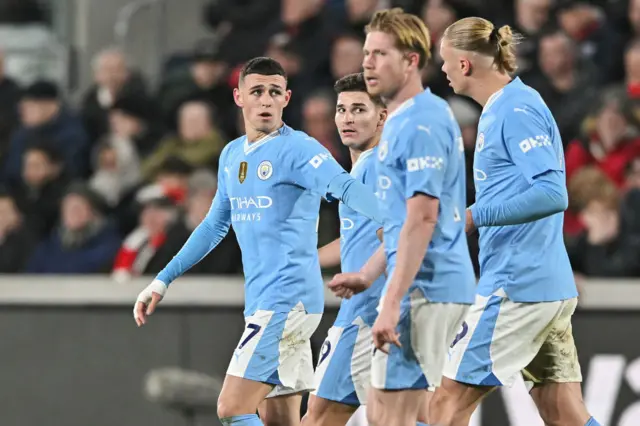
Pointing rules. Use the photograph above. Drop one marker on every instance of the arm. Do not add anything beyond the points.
(330, 254)
(203, 239)
(415, 235)
(314, 168)
(546, 196)
(536, 151)
(356, 195)
(206, 236)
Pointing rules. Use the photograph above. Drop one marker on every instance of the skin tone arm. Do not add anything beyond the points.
(329, 254)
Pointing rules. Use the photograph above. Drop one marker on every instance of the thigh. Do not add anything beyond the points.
(391, 408)
(281, 410)
(240, 396)
(557, 359)
(324, 412)
(344, 365)
(498, 339)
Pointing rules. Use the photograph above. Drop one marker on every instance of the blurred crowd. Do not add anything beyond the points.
(115, 183)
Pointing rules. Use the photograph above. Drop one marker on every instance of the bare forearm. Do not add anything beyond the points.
(329, 254)
(412, 247)
(375, 266)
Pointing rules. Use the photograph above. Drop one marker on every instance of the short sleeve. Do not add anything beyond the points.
(529, 141)
(313, 165)
(424, 160)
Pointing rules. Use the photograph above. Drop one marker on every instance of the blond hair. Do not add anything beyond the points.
(480, 36)
(410, 32)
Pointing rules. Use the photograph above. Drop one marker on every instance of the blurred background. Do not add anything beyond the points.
(113, 115)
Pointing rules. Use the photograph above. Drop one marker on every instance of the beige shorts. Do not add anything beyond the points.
(501, 338)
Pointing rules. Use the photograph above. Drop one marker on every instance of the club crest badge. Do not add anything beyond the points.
(265, 170)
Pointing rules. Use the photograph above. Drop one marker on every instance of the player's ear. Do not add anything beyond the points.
(237, 97)
(287, 98)
(413, 58)
(382, 117)
(466, 67)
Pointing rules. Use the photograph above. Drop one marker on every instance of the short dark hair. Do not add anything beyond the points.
(47, 148)
(262, 65)
(355, 83)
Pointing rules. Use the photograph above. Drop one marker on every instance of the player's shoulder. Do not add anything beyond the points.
(521, 101)
(232, 148)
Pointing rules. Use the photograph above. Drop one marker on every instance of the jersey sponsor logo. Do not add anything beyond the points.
(265, 170)
(427, 162)
(535, 142)
(242, 171)
(317, 160)
(383, 150)
(480, 142)
(259, 202)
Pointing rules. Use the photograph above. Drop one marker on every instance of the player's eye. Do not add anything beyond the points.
(276, 93)
(341, 110)
(257, 92)
(358, 110)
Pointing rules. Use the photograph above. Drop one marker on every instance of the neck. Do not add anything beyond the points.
(254, 135)
(411, 89)
(484, 88)
(356, 152)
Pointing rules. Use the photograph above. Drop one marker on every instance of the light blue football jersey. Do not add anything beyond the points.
(274, 188)
(518, 139)
(422, 153)
(358, 242)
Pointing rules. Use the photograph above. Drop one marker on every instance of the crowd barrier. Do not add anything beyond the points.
(72, 355)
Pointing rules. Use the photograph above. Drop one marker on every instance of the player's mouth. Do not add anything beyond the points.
(372, 81)
(348, 133)
(265, 115)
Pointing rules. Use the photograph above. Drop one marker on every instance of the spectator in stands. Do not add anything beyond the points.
(197, 143)
(43, 186)
(346, 55)
(112, 79)
(170, 181)
(610, 139)
(243, 25)
(566, 86)
(44, 117)
(631, 199)
(9, 98)
(602, 250)
(205, 79)
(139, 248)
(117, 169)
(632, 69)
(597, 41)
(283, 49)
(438, 15)
(85, 242)
(633, 19)
(531, 16)
(16, 238)
(224, 259)
(318, 112)
(133, 118)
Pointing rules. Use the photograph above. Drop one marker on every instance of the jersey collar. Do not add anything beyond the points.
(493, 98)
(362, 157)
(250, 147)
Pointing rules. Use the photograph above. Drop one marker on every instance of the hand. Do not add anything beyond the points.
(347, 284)
(469, 226)
(384, 329)
(147, 301)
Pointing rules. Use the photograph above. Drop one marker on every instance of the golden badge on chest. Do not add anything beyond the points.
(242, 171)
